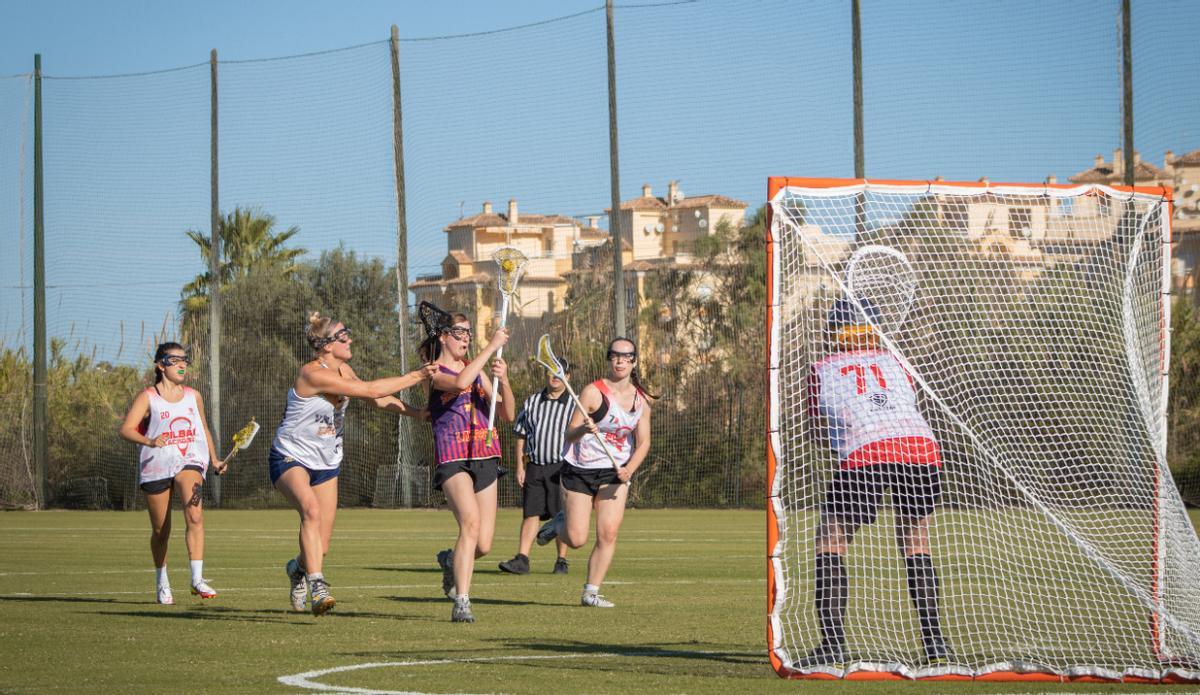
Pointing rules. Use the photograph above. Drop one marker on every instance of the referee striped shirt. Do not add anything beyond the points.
(542, 423)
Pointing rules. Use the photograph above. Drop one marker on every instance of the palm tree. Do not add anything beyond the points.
(248, 243)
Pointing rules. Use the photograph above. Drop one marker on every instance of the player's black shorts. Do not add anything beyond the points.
(854, 493)
(587, 480)
(156, 486)
(483, 472)
(541, 497)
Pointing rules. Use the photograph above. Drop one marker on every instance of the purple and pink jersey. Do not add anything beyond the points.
(459, 428)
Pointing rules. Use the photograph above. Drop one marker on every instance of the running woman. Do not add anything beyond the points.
(871, 422)
(468, 464)
(306, 455)
(168, 421)
(618, 410)
(540, 428)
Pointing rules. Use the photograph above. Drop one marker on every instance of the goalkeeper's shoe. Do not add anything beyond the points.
(322, 602)
(937, 652)
(593, 599)
(550, 530)
(164, 595)
(461, 613)
(203, 590)
(824, 654)
(299, 592)
(445, 560)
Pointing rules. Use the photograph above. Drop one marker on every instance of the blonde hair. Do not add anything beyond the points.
(318, 329)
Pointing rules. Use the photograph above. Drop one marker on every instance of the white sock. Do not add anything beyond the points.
(591, 589)
(314, 575)
(162, 578)
(197, 571)
(462, 598)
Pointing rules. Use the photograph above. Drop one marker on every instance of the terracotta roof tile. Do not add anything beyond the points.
(1190, 159)
(713, 201)
(1142, 171)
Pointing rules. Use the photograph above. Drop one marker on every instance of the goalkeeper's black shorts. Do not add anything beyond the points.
(854, 493)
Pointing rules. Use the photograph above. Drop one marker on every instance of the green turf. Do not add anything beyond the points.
(78, 612)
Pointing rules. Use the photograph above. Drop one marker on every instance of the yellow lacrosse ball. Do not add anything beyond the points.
(508, 265)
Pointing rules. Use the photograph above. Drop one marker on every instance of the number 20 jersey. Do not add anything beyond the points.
(870, 410)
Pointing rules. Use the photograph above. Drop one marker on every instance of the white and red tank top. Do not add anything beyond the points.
(312, 430)
(870, 408)
(618, 427)
(187, 444)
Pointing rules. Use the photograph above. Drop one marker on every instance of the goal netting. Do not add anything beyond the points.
(1032, 321)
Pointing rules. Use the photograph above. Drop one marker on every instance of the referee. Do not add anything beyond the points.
(539, 428)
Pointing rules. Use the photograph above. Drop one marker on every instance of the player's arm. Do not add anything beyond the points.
(581, 424)
(641, 437)
(325, 381)
(129, 427)
(215, 462)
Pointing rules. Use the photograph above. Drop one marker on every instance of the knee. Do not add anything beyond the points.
(468, 527)
(160, 533)
(193, 517)
(310, 513)
(575, 540)
(606, 535)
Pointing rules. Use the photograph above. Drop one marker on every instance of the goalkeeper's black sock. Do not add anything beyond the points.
(832, 592)
(923, 588)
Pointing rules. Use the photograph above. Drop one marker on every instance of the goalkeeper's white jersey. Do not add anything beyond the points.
(311, 431)
(870, 409)
(187, 444)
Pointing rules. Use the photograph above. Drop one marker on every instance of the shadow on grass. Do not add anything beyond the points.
(71, 599)
(420, 570)
(474, 601)
(695, 651)
(258, 616)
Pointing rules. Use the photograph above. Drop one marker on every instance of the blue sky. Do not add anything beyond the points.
(718, 95)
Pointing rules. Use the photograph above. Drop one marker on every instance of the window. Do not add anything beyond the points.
(1020, 223)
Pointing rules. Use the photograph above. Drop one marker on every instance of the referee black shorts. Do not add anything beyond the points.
(854, 493)
(541, 496)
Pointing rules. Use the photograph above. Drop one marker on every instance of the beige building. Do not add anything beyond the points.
(656, 232)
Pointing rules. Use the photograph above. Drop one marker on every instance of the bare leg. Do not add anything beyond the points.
(578, 510)
(460, 496)
(326, 494)
(293, 484)
(189, 487)
(610, 511)
(159, 506)
(485, 502)
(529, 529)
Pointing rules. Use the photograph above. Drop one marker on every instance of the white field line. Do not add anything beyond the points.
(307, 682)
(374, 567)
(376, 587)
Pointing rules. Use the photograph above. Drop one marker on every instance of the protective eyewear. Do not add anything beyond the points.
(615, 356)
(460, 333)
(172, 360)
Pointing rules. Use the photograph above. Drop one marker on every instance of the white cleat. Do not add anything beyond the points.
(164, 596)
(203, 590)
(299, 591)
(593, 599)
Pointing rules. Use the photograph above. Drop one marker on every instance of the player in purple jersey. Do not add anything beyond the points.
(468, 460)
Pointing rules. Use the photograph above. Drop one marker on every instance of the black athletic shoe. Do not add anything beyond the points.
(517, 565)
(825, 654)
(550, 530)
(560, 565)
(445, 560)
(938, 653)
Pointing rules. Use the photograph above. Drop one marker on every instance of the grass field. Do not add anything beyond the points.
(78, 611)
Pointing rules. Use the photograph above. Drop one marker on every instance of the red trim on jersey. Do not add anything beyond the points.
(599, 383)
(915, 450)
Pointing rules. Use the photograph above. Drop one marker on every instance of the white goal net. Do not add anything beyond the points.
(967, 431)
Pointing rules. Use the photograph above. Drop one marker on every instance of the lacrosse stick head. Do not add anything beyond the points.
(434, 320)
(882, 286)
(545, 357)
(510, 266)
(243, 437)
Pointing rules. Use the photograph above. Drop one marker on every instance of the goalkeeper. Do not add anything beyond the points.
(869, 407)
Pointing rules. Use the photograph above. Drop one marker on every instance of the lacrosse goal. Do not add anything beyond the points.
(1032, 320)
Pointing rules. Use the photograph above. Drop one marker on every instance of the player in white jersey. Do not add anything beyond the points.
(618, 410)
(868, 403)
(306, 454)
(168, 421)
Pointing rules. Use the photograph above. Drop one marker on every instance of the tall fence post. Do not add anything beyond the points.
(214, 288)
(1127, 90)
(41, 438)
(402, 485)
(614, 220)
(856, 30)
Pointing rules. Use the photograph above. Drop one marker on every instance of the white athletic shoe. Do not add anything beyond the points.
(299, 592)
(593, 599)
(322, 601)
(164, 595)
(203, 590)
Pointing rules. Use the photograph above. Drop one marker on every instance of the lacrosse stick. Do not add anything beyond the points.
(510, 265)
(241, 440)
(546, 358)
(882, 276)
